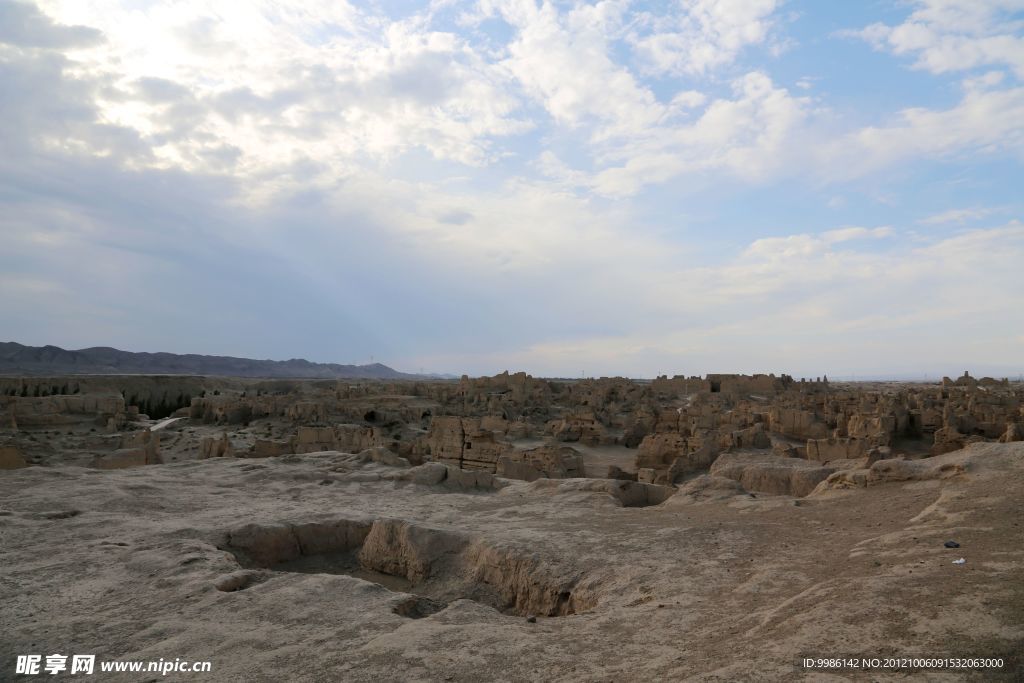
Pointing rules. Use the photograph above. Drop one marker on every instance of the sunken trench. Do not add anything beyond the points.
(432, 566)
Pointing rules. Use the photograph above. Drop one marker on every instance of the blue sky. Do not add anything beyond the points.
(608, 188)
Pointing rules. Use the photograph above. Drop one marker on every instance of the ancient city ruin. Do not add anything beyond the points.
(486, 340)
(513, 527)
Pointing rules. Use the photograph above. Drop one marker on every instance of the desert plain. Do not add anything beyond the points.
(511, 528)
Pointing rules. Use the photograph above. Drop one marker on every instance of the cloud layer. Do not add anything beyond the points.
(469, 186)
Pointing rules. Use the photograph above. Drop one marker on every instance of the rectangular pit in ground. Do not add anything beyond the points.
(436, 565)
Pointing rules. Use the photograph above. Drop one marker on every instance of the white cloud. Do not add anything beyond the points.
(780, 248)
(562, 61)
(22, 24)
(356, 131)
(957, 216)
(955, 35)
(319, 92)
(984, 121)
(817, 303)
(749, 136)
(836, 202)
(262, 87)
(703, 35)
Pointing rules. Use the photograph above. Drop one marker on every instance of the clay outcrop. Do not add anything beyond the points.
(512, 425)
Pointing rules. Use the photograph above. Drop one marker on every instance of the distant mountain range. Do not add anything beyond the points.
(18, 359)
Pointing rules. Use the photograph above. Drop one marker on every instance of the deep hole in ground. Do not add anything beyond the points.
(417, 607)
(431, 566)
(638, 495)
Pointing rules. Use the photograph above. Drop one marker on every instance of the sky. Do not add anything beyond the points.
(566, 188)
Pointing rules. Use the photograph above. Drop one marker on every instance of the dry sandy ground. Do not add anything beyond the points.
(596, 459)
(124, 564)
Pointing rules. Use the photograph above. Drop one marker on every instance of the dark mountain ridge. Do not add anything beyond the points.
(18, 359)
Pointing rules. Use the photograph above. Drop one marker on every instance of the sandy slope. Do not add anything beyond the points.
(124, 564)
